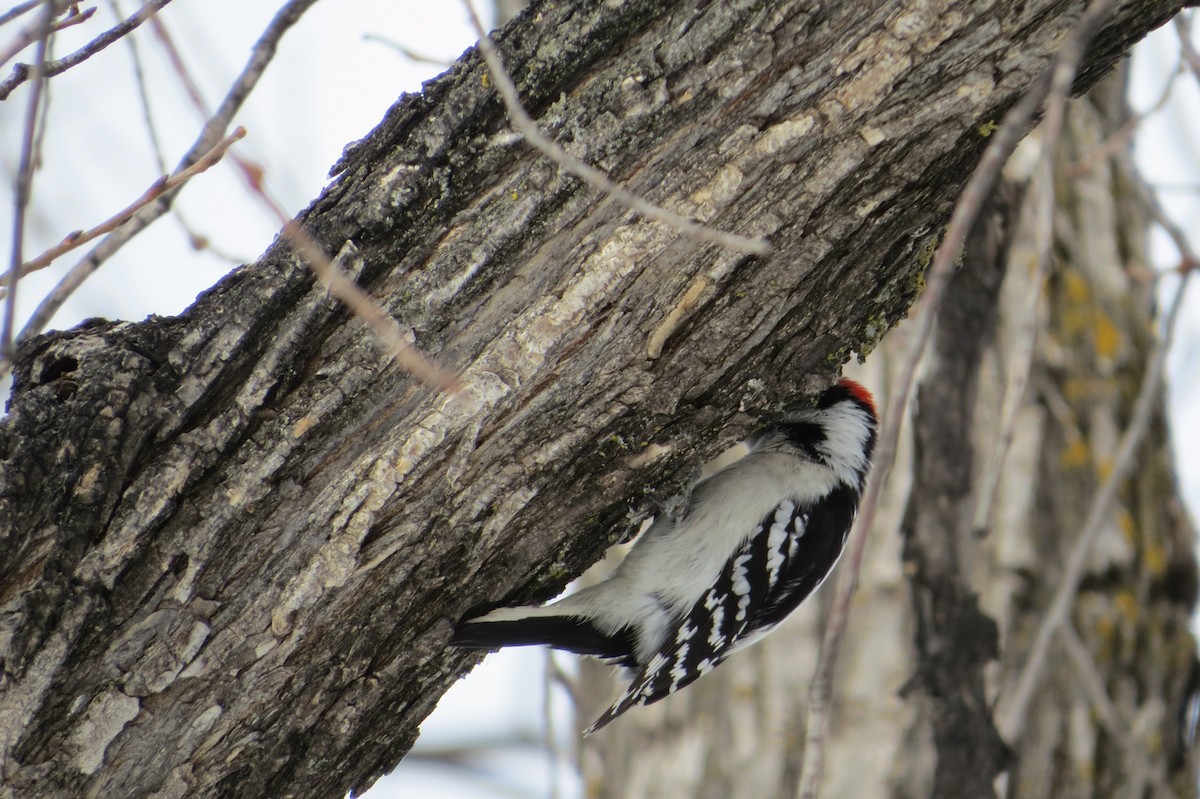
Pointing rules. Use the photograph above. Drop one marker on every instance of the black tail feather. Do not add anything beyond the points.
(561, 632)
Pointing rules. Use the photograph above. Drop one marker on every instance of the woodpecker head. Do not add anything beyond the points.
(845, 388)
(840, 432)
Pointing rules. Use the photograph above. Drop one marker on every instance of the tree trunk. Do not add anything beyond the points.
(917, 683)
(235, 542)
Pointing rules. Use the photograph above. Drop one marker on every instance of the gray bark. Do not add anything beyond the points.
(234, 542)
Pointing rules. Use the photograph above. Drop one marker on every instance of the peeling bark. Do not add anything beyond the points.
(233, 543)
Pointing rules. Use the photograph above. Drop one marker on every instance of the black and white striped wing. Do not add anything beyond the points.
(791, 552)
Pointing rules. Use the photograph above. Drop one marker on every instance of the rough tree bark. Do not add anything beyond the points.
(933, 646)
(234, 542)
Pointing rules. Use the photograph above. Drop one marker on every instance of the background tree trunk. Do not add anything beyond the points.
(918, 681)
(234, 542)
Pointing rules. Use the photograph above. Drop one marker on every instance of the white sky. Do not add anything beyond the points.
(326, 88)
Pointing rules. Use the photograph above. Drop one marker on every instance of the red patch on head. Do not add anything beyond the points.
(860, 393)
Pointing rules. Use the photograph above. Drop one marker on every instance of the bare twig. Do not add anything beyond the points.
(22, 188)
(1002, 143)
(213, 132)
(21, 72)
(1183, 27)
(594, 177)
(1024, 347)
(1187, 49)
(554, 676)
(360, 303)
(1122, 137)
(410, 54)
(29, 35)
(18, 10)
(1112, 719)
(385, 328)
(1011, 714)
(181, 70)
(157, 189)
(1189, 260)
(139, 80)
(1043, 236)
(198, 240)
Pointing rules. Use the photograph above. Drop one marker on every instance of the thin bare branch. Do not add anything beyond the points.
(29, 35)
(411, 55)
(139, 80)
(594, 177)
(18, 10)
(196, 239)
(557, 756)
(1121, 139)
(1189, 261)
(385, 328)
(21, 190)
(21, 72)
(213, 131)
(1113, 720)
(1057, 81)
(1042, 183)
(1023, 349)
(1183, 27)
(181, 70)
(157, 189)
(1011, 714)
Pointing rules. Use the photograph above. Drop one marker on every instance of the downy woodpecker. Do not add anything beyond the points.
(757, 537)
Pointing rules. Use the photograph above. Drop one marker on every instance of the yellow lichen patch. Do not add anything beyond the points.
(1155, 559)
(1076, 455)
(1106, 335)
(1076, 320)
(1075, 389)
(1104, 467)
(1128, 528)
(1126, 605)
(1076, 288)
